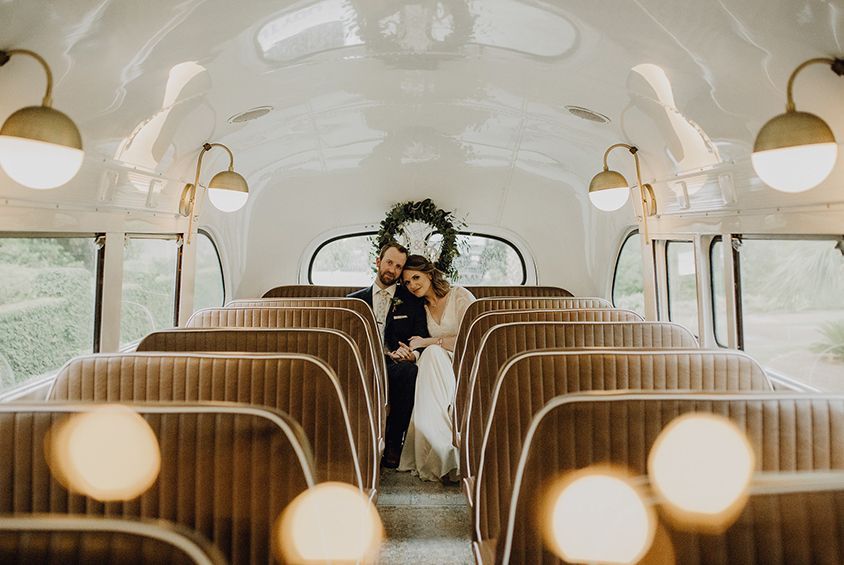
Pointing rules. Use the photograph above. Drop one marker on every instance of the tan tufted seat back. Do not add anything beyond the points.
(474, 334)
(342, 319)
(477, 339)
(354, 304)
(528, 381)
(480, 291)
(332, 346)
(309, 291)
(788, 432)
(227, 471)
(483, 305)
(505, 340)
(57, 540)
(302, 386)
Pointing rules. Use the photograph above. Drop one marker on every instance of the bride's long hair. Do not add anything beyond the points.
(423, 265)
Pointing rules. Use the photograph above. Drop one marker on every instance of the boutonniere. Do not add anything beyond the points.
(396, 303)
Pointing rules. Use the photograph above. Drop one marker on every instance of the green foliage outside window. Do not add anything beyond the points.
(46, 304)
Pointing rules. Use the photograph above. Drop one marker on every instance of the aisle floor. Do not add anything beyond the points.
(425, 522)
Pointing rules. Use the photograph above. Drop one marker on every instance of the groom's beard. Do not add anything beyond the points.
(387, 278)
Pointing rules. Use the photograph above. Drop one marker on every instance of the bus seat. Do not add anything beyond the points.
(788, 432)
(476, 335)
(227, 471)
(56, 540)
(482, 305)
(480, 291)
(334, 347)
(527, 381)
(343, 319)
(302, 386)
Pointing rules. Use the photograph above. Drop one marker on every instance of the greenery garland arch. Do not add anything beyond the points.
(442, 222)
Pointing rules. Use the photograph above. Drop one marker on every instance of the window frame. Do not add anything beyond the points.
(207, 234)
(631, 233)
(25, 388)
(665, 245)
(741, 237)
(360, 233)
(179, 240)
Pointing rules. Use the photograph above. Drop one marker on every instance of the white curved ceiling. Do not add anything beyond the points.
(377, 101)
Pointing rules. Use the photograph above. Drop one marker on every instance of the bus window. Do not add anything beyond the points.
(47, 296)
(719, 292)
(209, 288)
(682, 284)
(488, 260)
(483, 260)
(149, 287)
(345, 261)
(628, 288)
(792, 296)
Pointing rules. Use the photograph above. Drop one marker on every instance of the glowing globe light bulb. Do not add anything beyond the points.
(797, 168)
(110, 453)
(608, 190)
(40, 147)
(228, 191)
(701, 464)
(598, 517)
(227, 200)
(610, 199)
(331, 522)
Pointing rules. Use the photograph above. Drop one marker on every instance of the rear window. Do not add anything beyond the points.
(484, 260)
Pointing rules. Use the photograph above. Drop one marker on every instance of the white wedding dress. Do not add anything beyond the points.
(428, 450)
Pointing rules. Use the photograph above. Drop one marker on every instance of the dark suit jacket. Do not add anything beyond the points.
(405, 318)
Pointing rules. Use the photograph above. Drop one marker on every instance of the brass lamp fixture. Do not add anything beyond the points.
(227, 191)
(608, 189)
(796, 151)
(40, 147)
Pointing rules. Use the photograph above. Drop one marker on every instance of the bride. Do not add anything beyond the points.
(428, 448)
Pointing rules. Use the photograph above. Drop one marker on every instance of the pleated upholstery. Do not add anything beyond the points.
(309, 291)
(85, 539)
(321, 291)
(503, 342)
(302, 386)
(506, 343)
(334, 347)
(483, 305)
(354, 304)
(226, 471)
(788, 432)
(342, 319)
(529, 380)
(465, 357)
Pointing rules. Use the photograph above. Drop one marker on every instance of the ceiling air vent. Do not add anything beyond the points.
(251, 114)
(587, 114)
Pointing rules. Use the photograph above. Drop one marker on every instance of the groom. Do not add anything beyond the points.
(400, 315)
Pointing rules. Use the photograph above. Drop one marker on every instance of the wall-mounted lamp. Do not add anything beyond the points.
(796, 151)
(608, 189)
(227, 191)
(40, 147)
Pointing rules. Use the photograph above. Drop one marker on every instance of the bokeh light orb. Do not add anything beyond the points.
(597, 516)
(331, 522)
(109, 453)
(702, 464)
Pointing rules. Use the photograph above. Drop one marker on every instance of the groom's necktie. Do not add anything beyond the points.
(382, 304)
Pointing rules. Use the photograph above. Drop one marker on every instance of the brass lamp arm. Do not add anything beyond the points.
(837, 66)
(630, 148)
(188, 205)
(5, 55)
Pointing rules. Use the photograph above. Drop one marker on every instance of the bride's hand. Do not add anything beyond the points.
(416, 342)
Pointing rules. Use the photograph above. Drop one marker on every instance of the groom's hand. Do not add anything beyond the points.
(403, 353)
